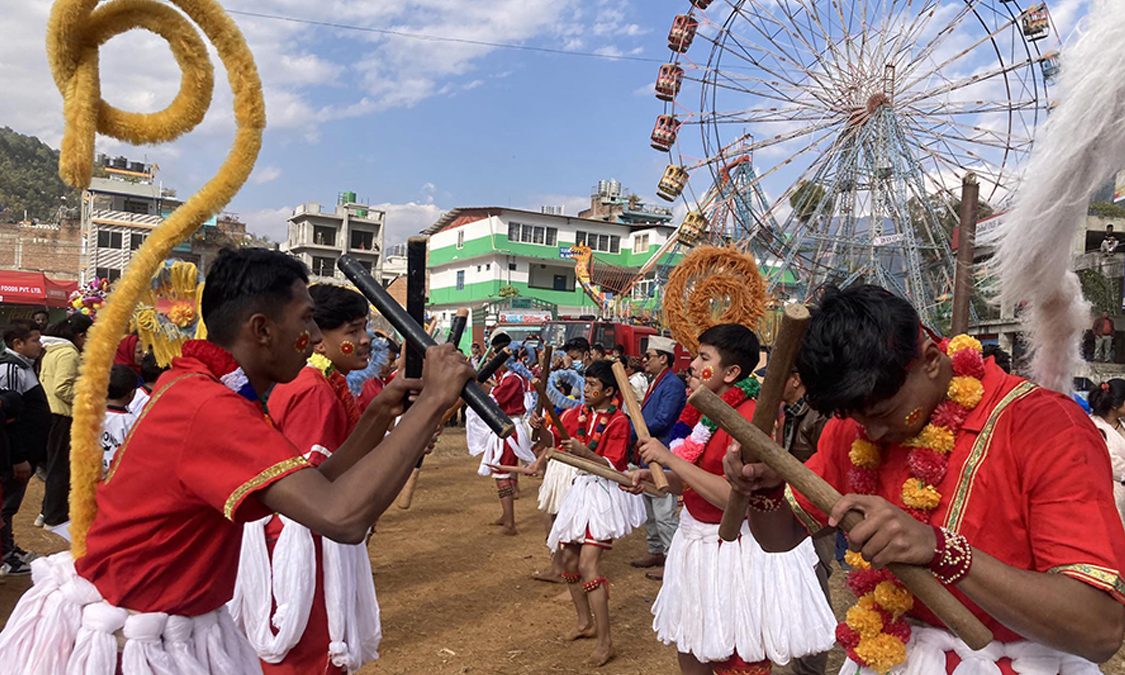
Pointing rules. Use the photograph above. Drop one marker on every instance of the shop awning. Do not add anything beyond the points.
(34, 288)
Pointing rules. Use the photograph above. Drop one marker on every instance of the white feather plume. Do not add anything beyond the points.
(1079, 147)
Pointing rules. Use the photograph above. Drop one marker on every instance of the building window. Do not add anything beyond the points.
(107, 239)
(488, 267)
(512, 267)
(363, 241)
(539, 235)
(324, 236)
(604, 243)
(132, 206)
(552, 236)
(108, 273)
(460, 280)
(533, 234)
(478, 269)
(513, 231)
(366, 264)
(640, 243)
(135, 241)
(460, 239)
(560, 282)
(323, 267)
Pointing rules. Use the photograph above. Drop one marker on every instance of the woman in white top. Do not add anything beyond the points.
(1108, 405)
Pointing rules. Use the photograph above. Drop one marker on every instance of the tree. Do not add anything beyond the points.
(29, 179)
(509, 291)
(947, 212)
(1107, 210)
(1103, 293)
(806, 199)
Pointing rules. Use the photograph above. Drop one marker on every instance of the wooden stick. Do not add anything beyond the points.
(625, 390)
(602, 469)
(763, 449)
(457, 327)
(541, 387)
(506, 468)
(785, 347)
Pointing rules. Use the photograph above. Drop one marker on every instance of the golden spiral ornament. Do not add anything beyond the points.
(712, 286)
(76, 30)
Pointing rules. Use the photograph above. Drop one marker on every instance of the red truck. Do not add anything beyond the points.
(608, 334)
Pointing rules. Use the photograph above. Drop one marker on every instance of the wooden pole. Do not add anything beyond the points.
(966, 247)
(918, 579)
(638, 420)
(785, 347)
(416, 308)
(602, 469)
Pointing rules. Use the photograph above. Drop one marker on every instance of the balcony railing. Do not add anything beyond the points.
(1111, 266)
(125, 218)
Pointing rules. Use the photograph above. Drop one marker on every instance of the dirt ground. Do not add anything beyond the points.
(458, 598)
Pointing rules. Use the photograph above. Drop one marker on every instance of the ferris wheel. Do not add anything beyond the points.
(830, 138)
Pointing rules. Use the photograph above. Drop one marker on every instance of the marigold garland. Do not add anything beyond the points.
(873, 633)
(692, 431)
(340, 388)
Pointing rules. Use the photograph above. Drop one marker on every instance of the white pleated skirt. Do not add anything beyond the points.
(719, 598)
(490, 447)
(62, 625)
(597, 506)
(557, 480)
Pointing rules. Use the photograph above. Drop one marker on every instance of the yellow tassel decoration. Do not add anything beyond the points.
(76, 30)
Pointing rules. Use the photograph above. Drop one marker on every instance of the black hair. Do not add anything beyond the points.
(602, 371)
(41, 311)
(1001, 357)
(669, 357)
(858, 346)
(71, 327)
(150, 369)
(578, 344)
(620, 348)
(737, 346)
(122, 380)
(597, 346)
(1109, 396)
(243, 282)
(336, 305)
(19, 329)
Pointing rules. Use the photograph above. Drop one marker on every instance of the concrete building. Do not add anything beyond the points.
(54, 249)
(614, 204)
(480, 255)
(394, 264)
(319, 236)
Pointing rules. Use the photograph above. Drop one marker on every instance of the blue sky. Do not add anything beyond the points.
(417, 127)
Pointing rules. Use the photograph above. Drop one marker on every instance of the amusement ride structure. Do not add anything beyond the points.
(831, 138)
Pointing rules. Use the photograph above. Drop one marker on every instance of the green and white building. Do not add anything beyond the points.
(478, 256)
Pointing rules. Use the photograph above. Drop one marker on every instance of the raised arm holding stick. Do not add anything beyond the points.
(928, 425)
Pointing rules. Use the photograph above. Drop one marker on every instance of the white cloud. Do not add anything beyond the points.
(265, 174)
(407, 220)
(272, 223)
(571, 204)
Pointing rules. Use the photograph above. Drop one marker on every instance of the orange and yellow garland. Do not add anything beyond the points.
(875, 633)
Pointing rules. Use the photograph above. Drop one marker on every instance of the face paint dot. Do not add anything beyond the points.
(302, 343)
(347, 348)
(707, 373)
(913, 417)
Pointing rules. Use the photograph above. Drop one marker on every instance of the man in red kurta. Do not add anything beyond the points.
(316, 412)
(1025, 500)
(781, 616)
(159, 562)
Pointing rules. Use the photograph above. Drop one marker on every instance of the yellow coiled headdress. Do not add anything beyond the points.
(76, 30)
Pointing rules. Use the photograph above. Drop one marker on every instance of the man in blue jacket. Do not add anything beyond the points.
(662, 406)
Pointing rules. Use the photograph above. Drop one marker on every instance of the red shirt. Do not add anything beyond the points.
(371, 389)
(509, 394)
(569, 419)
(711, 461)
(307, 411)
(1029, 483)
(171, 508)
(614, 441)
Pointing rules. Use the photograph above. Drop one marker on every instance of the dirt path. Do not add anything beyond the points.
(458, 598)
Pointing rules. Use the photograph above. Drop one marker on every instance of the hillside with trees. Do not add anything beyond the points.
(29, 179)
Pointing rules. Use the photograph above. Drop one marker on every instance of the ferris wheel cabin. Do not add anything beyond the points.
(682, 33)
(695, 224)
(702, 4)
(665, 132)
(672, 183)
(669, 81)
(1036, 22)
(1050, 66)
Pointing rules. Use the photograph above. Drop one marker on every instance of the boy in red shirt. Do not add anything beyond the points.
(330, 623)
(1002, 488)
(782, 611)
(161, 556)
(594, 512)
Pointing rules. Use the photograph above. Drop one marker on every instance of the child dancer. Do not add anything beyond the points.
(595, 512)
(729, 608)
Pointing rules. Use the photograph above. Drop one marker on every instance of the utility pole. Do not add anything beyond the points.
(966, 246)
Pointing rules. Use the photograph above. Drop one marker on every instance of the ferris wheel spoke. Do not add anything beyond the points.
(988, 38)
(735, 86)
(785, 56)
(905, 39)
(967, 81)
(829, 70)
(975, 107)
(741, 53)
(978, 134)
(959, 163)
(941, 36)
(759, 116)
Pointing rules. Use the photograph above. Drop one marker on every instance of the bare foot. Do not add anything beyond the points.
(600, 657)
(549, 576)
(508, 531)
(563, 597)
(583, 633)
(499, 521)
